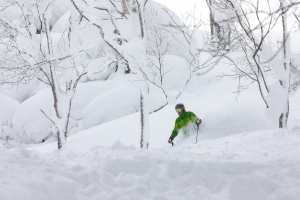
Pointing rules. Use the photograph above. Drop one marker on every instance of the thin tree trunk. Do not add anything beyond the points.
(211, 19)
(66, 131)
(141, 19)
(285, 79)
(59, 141)
(142, 115)
(125, 7)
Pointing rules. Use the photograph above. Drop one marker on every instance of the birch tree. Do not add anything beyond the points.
(144, 122)
(132, 12)
(284, 79)
(253, 27)
(37, 58)
(220, 18)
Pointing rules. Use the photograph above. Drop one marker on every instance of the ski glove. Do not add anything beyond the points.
(170, 140)
(198, 122)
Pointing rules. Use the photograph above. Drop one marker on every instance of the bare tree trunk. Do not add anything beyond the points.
(66, 130)
(144, 114)
(285, 79)
(211, 19)
(125, 7)
(59, 141)
(216, 29)
(141, 19)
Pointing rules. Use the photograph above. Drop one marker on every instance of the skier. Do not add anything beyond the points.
(185, 123)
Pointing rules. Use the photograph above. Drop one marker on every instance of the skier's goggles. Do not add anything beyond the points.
(178, 109)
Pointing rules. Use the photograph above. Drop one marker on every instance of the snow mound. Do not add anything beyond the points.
(123, 172)
(21, 92)
(29, 122)
(113, 104)
(7, 107)
(176, 72)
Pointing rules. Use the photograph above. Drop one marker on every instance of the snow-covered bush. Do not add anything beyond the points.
(61, 44)
(28, 120)
(8, 107)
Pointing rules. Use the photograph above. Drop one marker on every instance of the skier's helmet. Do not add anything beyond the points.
(180, 107)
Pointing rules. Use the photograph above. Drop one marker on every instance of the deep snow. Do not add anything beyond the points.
(261, 166)
(104, 162)
(232, 161)
(239, 155)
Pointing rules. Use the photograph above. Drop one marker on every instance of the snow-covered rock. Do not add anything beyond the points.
(8, 107)
(110, 105)
(30, 124)
(176, 72)
(260, 165)
(21, 92)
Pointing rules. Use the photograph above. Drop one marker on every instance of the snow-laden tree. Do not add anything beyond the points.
(284, 77)
(220, 20)
(64, 42)
(253, 26)
(34, 51)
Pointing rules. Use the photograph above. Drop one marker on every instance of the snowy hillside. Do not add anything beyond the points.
(262, 166)
(104, 79)
(92, 94)
(105, 161)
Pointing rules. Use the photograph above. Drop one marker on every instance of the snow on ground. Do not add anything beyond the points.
(238, 156)
(7, 107)
(261, 166)
(104, 162)
(294, 120)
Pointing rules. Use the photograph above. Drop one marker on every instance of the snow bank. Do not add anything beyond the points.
(259, 147)
(7, 109)
(87, 92)
(246, 166)
(112, 104)
(94, 103)
(176, 72)
(21, 92)
(31, 125)
(295, 50)
(294, 119)
(158, 19)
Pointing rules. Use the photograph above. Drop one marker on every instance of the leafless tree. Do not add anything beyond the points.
(26, 64)
(220, 30)
(144, 122)
(285, 79)
(252, 27)
(125, 8)
(120, 58)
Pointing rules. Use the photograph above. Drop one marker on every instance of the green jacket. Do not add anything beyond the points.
(182, 121)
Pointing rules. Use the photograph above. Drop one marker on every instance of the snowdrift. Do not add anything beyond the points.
(8, 107)
(259, 165)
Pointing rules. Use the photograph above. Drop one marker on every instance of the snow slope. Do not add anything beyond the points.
(261, 166)
(104, 162)
(239, 155)
(231, 162)
(7, 107)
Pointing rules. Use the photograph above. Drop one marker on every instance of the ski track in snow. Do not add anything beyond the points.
(212, 170)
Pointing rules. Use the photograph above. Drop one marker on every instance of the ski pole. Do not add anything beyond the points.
(197, 134)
